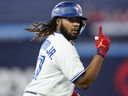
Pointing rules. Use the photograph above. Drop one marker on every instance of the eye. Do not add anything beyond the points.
(72, 20)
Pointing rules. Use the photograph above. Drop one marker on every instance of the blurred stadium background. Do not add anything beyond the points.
(18, 53)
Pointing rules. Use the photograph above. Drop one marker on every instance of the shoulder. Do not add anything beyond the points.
(62, 42)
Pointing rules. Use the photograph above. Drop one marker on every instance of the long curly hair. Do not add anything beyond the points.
(42, 29)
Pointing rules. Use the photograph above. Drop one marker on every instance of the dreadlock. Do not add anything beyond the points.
(43, 29)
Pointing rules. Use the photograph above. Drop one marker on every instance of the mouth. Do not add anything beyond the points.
(75, 31)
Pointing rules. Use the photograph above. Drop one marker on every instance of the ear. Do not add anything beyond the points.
(58, 21)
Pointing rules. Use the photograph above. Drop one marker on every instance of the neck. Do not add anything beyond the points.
(58, 29)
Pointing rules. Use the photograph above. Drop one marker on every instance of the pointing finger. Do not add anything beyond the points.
(100, 31)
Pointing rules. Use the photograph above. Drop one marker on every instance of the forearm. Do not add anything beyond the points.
(93, 69)
(91, 73)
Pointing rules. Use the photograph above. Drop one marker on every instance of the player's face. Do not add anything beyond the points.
(70, 26)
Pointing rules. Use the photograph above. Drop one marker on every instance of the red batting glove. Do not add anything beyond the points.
(75, 94)
(102, 44)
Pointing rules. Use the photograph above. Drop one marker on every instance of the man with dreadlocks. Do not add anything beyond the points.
(59, 69)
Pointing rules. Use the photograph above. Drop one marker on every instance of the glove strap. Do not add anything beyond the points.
(101, 52)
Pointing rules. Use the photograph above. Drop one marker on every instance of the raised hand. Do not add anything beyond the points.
(102, 43)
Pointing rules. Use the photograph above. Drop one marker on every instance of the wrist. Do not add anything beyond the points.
(101, 52)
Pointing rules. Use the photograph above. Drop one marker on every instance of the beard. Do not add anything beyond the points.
(67, 35)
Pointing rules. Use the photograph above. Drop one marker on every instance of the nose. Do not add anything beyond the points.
(76, 24)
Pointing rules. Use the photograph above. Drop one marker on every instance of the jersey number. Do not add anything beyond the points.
(41, 61)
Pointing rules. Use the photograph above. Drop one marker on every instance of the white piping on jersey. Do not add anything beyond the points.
(79, 74)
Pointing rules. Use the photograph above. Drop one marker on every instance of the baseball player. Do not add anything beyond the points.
(59, 69)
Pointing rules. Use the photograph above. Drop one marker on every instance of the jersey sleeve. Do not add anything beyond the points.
(69, 62)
